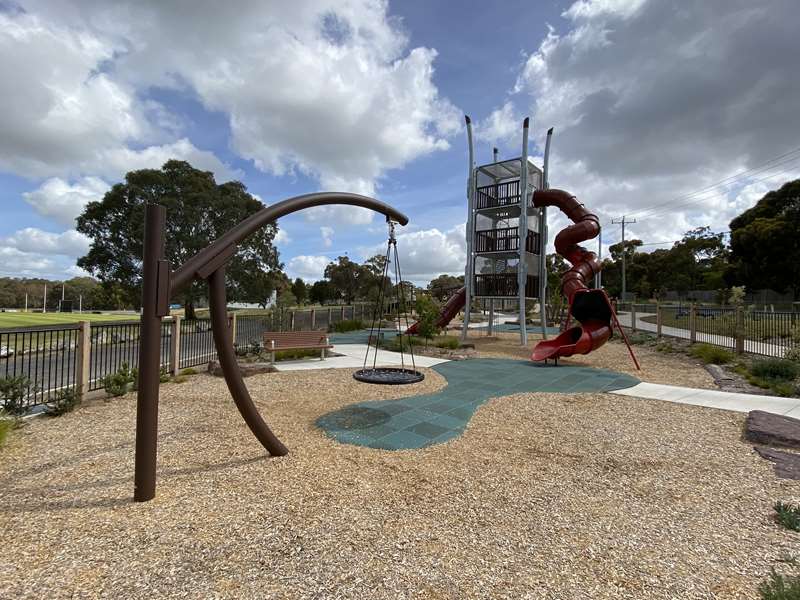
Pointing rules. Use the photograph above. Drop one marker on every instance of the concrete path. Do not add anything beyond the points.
(352, 356)
(713, 398)
(725, 341)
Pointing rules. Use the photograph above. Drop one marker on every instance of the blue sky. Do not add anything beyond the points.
(653, 105)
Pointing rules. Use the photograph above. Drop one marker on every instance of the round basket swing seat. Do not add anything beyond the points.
(388, 376)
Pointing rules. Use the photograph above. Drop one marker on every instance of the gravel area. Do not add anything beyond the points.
(657, 367)
(545, 496)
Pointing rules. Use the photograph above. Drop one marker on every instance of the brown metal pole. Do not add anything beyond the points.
(217, 302)
(149, 357)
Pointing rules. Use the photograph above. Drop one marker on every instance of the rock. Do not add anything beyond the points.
(772, 430)
(246, 368)
(787, 464)
(720, 375)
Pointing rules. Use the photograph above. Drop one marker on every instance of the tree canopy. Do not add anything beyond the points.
(765, 243)
(198, 211)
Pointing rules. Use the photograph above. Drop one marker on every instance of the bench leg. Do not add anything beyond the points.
(323, 354)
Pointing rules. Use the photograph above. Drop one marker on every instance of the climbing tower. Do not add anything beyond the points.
(506, 235)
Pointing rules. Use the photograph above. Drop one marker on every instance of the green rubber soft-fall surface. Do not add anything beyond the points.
(420, 421)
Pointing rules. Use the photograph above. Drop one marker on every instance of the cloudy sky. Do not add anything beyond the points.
(679, 114)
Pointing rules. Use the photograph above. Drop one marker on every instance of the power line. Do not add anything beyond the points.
(693, 197)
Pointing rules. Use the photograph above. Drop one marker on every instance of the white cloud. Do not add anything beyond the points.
(62, 201)
(325, 87)
(327, 236)
(428, 253)
(309, 268)
(35, 241)
(501, 126)
(282, 238)
(16, 263)
(651, 104)
(64, 112)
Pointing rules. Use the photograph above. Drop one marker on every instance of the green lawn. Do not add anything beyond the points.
(21, 319)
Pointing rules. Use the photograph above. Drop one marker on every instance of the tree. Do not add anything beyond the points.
(198, 211)
(300, 290)
(343, 276)
(427, 315)
(765, 246)
(321, 292)
(443, 286)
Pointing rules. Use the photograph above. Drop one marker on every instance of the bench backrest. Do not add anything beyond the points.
(294, 339)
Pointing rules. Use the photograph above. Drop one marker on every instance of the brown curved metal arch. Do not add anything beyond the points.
(189, 270)
(217, 302)
(159, 284)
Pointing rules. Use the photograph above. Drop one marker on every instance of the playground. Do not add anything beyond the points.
(543, 494)
(554, 462)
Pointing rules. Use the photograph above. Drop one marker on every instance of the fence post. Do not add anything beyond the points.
(291, 320)
(739, 330)
(313, 319)
(659, 320)
(692, 323)
(330, 316)
(175, 345)
(633, 317)
(234, 325)
(343, 315)
(83, 359)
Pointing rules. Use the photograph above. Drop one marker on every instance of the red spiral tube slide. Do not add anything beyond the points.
(591, 308)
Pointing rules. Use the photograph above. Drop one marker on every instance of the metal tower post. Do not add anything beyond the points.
(468, 278)
(543, 238)
(522, 271)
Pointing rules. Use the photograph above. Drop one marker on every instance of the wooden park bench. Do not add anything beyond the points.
(275, 341)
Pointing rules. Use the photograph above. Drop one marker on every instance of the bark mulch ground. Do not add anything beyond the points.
(544, 496)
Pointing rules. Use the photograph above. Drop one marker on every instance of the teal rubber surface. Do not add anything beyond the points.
(421, 421)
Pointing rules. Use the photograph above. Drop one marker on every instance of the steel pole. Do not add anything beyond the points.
(149, 357)
(543, 234)
(522, 271)
(468, 271)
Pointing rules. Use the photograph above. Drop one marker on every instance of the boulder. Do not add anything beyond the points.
(772, 430)
(787, 464)
(247, 368)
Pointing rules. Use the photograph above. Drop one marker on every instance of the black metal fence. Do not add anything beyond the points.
(744, 329)
(42, 362)
(37, 364)
(497, 194)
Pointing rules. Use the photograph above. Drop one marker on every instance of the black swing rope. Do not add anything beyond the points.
(389, 375)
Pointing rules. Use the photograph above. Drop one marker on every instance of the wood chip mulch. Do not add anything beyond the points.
(544, 496)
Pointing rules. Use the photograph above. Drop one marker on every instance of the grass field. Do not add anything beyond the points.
(21, 319)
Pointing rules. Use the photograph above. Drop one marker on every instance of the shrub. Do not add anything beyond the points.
(449, 342)
(64, 401)
(711, 355)
(793, 354)
(163, 375)
(788, 515)
(347, 325)
(639, 338)
(13, 393)
(189, 371)
(780, 587)
(775, 369)
(121, 382)
(428, 313)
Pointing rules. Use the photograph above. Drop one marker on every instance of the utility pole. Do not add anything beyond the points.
(26, 302)
(624, 221)
(44, 302)
(598, 279)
